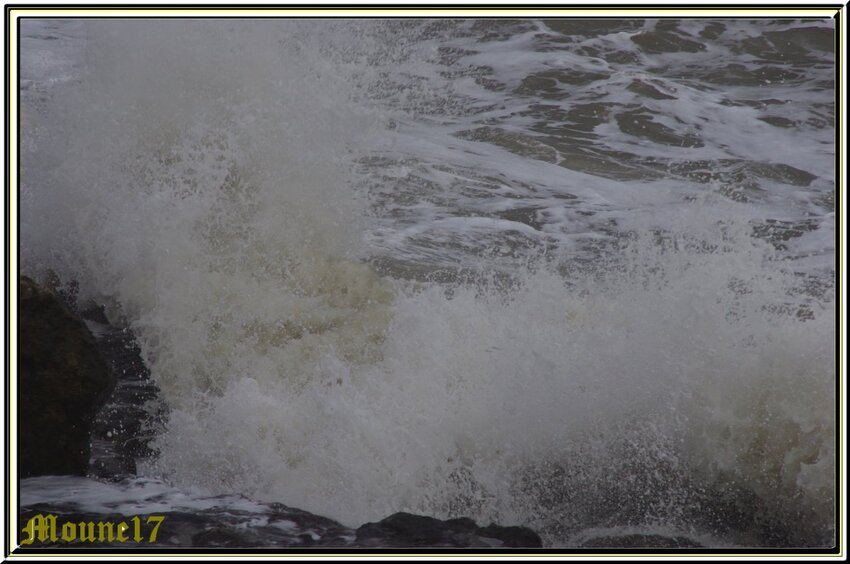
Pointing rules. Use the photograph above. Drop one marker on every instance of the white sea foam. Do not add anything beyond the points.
(130, 497)
(631, 359)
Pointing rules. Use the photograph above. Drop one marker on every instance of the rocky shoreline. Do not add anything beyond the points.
(276, 526)
(64, 380)
(118, 409)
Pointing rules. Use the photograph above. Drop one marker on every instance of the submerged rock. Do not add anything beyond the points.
(63, 381)
(406, 530)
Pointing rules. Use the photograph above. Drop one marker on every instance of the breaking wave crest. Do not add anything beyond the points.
(681, 379)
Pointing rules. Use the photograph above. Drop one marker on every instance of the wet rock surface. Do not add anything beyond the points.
(406, 530)
(262, 526)
(218, 527)
(63, 382)
(129, 419)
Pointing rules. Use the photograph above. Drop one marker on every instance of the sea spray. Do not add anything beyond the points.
(221, 185)
(561, 404)
(202, 191)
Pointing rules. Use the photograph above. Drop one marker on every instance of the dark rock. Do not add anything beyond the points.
(640, 541)
(236, 522)
(63, 381)
(514, 537)
(404, 529)
(220, 537)
(407, 530)
(218, 527)
(96, 313)
(132, 414)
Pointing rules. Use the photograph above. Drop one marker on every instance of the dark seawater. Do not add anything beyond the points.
(576, 275)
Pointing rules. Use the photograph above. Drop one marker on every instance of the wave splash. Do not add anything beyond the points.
(681, 380)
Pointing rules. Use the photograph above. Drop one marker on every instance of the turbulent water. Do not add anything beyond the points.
(570, 274)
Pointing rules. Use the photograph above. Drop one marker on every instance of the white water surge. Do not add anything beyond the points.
(365, 284)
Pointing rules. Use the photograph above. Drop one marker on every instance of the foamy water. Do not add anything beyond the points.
(571, 275)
